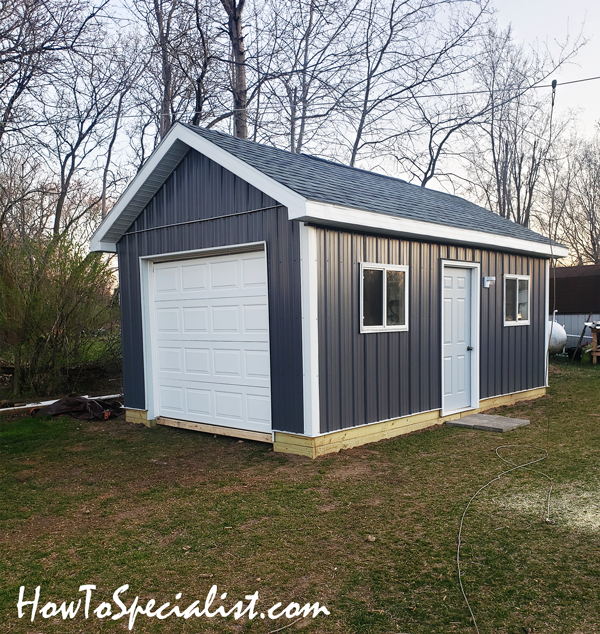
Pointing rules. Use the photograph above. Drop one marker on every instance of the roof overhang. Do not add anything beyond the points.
(180, 139)
(352, 219)
(161, 164)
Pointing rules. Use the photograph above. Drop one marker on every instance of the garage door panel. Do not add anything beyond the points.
(199, 401)
(253, 273)
(217, 277)
(226, 319)
(227, 363)
(257, 364)
(169, 360)
(256, 318)
(212, 338)
(258, 408)
(247, 320)
(201, 378)
(171, 398)
(166, 280)
(219, 404)
(196, 319)
(225, 275)
(194, 278)
(167, 320)
(229, 405)
(197, 361)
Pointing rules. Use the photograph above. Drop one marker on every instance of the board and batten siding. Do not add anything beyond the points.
(365, 378)
(200, 189)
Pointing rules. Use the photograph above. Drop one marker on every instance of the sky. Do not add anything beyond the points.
(546, 22)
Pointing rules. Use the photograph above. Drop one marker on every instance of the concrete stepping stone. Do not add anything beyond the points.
(488, 422)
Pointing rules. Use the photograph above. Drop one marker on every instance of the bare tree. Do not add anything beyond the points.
(80, 111)
(309, 69)
(507, 160)
(581, 220)
(33, 34)
(239, 87)
(405, 48)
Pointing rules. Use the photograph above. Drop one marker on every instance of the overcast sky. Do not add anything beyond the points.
(550, 21)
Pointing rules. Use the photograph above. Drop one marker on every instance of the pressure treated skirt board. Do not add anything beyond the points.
(487, 422)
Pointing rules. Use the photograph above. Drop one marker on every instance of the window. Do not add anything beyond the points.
(384, 297)
(516, 300)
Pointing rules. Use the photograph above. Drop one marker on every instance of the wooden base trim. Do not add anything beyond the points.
(374, 432)
(139, 416)
(216, 429)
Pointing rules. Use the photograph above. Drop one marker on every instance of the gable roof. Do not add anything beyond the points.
(318, 190)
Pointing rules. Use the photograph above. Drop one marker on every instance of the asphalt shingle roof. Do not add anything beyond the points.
(328, 182)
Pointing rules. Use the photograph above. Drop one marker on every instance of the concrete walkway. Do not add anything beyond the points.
(487, 422)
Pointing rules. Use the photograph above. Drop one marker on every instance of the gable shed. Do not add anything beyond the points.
(294, 300)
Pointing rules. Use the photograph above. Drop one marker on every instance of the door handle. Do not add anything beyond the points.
(469, 348)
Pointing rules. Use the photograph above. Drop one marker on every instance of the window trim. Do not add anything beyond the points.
(518, 322)
(384, 267)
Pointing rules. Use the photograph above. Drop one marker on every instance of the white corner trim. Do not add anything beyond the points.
(282, 194)
(546, 328)
(475, 330)
(310, 333)
(351, 218)
(149, 353)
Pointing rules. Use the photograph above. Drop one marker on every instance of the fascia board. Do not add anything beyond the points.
(106, 247)
(99, 240)
(348, 217)
(105, 240)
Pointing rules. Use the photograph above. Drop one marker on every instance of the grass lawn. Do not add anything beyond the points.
(370, 533)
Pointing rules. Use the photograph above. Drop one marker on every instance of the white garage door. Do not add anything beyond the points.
(211, 340)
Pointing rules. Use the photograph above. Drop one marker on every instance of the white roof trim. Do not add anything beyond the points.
(180, 139)
(339, 216)
(124, 212)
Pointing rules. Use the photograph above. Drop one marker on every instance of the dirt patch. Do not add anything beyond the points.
(78, 448)
(327, 508)
(25, 475)
(351, 470)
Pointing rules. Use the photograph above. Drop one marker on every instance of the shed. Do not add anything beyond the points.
(575, 295)
(294, 300)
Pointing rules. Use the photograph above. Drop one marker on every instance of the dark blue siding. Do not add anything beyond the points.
(364, 378)
(201, 189)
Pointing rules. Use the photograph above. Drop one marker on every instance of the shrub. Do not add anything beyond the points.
(55, 301)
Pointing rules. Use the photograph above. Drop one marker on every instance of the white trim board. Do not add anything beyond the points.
(338, 216)
(546, 329)
(148, 327)
(383, 267)
(309, 294)
(475, 330)
(180, 139)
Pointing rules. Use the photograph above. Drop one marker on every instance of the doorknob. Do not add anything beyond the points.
(469, 348)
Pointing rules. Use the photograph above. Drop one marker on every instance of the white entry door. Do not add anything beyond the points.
(457, 344)
(210, 339)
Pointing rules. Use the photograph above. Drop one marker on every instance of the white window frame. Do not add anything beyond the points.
(518, 322)
(384, 268)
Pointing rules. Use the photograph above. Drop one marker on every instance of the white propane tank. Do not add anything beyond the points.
(557, 336)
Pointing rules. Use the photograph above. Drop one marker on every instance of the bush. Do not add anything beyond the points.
(58, 312)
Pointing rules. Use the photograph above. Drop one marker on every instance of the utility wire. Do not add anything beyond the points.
(429, 96)
(462, 519)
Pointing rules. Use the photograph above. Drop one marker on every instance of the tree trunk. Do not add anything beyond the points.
(238, 76)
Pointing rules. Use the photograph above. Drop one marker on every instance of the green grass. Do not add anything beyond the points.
(113, 504)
